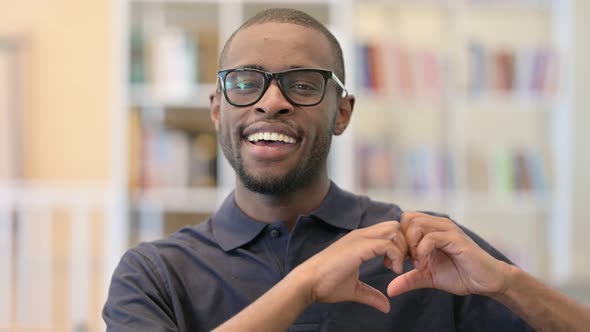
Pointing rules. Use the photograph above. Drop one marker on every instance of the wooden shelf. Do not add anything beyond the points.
(482, 202)
(188, 200)
(196, 96)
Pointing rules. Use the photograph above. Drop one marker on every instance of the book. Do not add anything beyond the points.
(173, 63)
(521, 72)
(137, 56)
(503, 71)
(477, 69)
(375, 166)
(522, 175)
(396, 70)
(503, 173)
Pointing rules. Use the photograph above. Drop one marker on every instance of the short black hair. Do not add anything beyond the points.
(293, 16)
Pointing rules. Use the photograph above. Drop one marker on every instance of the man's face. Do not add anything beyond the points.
(271, 165)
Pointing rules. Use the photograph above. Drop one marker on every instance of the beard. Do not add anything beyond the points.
(300, 175)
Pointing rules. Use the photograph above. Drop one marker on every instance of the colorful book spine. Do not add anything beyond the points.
(524, 72)
(397, 70)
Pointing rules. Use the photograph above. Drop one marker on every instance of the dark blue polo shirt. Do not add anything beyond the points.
(201, 276)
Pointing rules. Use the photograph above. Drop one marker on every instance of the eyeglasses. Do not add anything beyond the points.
(301, 86)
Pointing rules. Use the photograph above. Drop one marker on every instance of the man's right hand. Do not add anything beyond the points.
(333, 274)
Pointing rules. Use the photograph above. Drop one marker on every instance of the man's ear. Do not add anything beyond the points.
(346, 105)
(214, 100)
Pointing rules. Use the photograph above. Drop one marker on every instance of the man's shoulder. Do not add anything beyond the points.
(375, 211)
(185, 242)
(380, 209)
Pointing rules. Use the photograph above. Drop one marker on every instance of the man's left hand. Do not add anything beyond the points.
(446, 258)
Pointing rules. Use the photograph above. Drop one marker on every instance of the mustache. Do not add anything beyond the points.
(285, 122)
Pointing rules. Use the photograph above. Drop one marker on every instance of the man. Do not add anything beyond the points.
(288, 248)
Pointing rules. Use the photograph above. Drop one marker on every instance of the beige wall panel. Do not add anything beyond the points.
(66, 115)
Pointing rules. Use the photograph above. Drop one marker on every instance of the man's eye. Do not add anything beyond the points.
(243, 85)
(303, 86)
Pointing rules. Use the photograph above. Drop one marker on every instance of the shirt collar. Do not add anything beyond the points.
(232, 228)
(340, 209)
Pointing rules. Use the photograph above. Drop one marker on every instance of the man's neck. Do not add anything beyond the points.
(287, 207)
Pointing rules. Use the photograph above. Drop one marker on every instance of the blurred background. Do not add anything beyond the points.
(475, 108)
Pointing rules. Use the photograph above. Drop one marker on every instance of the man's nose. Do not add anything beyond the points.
(273, 101)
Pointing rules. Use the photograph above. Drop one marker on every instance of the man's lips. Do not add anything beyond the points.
(263, 127)
(271, 138)
(269, 150)
(270, 141)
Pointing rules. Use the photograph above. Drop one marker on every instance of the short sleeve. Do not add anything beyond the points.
(138, 297)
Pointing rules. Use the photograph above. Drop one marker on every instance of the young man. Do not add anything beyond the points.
(288, 248)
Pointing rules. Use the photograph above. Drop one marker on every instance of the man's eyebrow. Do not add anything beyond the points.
(251, 66)
(259, 67)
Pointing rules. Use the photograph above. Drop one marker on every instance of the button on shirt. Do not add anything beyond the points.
(275, 233)
(199, 277)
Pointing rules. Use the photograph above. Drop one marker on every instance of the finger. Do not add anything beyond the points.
(412, 219)
(387, 263)
(383, 230)
(384, 239)
(399, 239)
(414, 229)
(430, 242)
(395, 258)
(413, 237)
(409, 281)
(407, 218)
(370, 296)
(416, 225)
(378, 239)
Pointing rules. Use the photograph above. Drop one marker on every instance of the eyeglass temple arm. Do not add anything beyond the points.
(218, 84)
(337, 80)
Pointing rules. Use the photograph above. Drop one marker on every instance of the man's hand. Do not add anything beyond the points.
(447, 259)
(333, 274)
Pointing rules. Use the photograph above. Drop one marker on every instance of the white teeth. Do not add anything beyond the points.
(268, 136)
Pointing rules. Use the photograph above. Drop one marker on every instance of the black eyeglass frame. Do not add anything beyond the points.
(268, 76)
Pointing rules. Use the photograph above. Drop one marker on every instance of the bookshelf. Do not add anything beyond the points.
(458, 109)
(462, 101)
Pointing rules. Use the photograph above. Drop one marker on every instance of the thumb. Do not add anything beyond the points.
(370, 296)
(409, 281)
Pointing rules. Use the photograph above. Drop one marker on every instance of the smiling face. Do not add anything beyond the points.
(273, 146)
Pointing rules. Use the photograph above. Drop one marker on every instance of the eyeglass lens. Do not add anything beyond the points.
(301, 87)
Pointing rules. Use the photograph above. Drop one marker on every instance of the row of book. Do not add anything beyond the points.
(426, 170)
(165, 158)
(398, 70)
(172, 60)
(420, 170)
(520, 72)
(506, 171)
